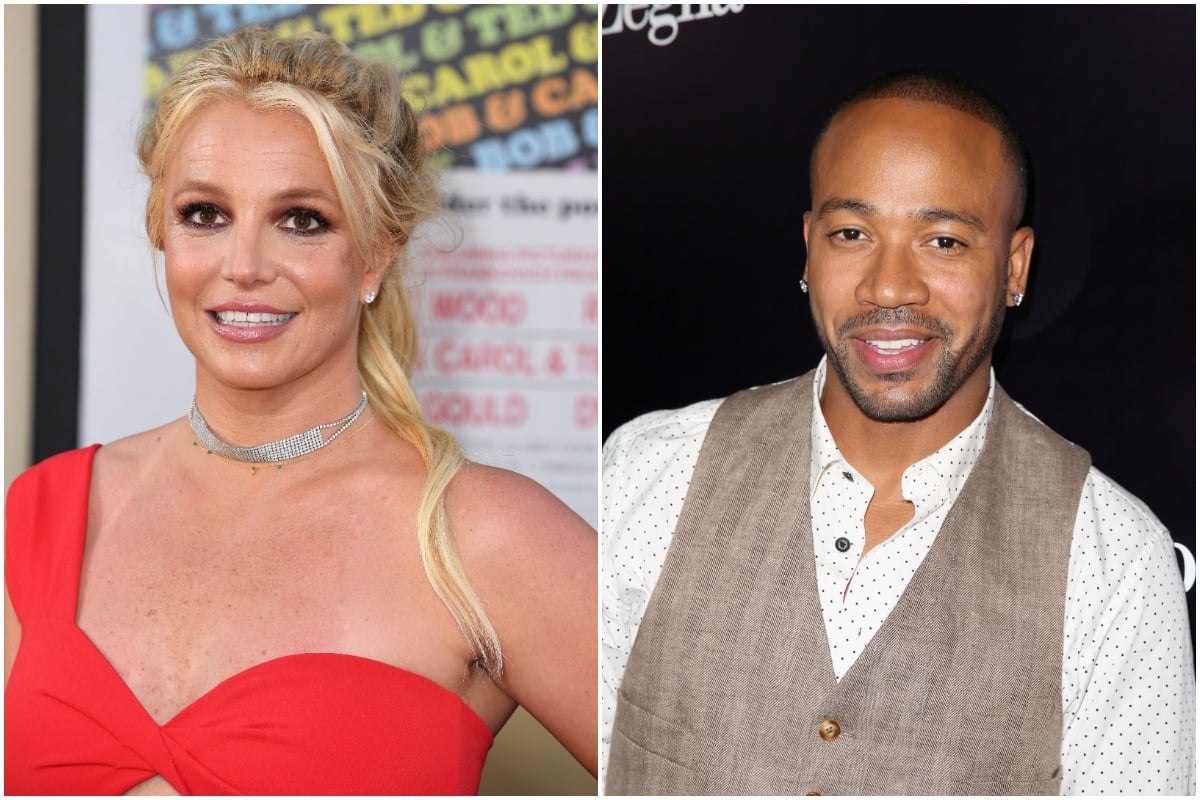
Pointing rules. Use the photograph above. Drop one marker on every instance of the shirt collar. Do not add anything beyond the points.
(950, 465)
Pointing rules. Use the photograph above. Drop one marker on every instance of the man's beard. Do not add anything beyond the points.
(952, 369)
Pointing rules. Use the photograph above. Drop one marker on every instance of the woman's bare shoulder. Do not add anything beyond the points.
(121, 459)
(532, 561)
(518, 542)
(493, 509)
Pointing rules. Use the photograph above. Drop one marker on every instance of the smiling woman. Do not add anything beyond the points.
(258, 249)
(275, 594)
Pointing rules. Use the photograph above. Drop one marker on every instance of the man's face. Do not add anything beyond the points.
(911, 256)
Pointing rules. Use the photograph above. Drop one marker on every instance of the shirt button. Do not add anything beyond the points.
(829, 730)
(842, 544)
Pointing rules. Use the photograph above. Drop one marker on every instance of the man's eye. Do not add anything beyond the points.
(304, 220)
(946, 243)
(848, 235)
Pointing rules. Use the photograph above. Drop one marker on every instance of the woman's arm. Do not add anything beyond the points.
(532, 561)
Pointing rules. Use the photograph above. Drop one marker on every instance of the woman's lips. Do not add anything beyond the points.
(249, 326)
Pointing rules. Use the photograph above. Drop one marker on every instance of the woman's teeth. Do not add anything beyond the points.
(247, 319)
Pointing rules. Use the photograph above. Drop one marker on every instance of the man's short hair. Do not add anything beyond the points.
(935, 86)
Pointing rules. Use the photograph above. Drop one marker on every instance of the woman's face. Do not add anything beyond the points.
(263, 277)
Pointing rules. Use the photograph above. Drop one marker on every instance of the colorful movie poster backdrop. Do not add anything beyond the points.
(506, 286)
(498, 86)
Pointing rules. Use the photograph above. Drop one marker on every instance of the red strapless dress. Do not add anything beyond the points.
(315, 723)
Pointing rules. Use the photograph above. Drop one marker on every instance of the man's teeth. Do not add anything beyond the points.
(251, 318)
(893, 345)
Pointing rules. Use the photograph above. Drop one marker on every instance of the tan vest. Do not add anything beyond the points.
(730, 688)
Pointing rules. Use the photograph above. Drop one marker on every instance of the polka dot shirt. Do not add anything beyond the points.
(1128, 684)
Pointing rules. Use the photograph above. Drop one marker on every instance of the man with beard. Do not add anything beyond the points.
(885, 577)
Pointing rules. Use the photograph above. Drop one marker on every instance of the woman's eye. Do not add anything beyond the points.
(203, 215)
(304, 220)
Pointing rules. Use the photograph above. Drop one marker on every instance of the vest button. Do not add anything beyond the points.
(829, 730)
(812, 794)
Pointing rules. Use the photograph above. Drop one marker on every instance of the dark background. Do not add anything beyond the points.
(705, 146)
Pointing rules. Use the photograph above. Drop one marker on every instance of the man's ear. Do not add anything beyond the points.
(1020, 253)
(807, 249)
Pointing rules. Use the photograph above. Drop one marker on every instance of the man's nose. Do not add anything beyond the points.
(894, 278)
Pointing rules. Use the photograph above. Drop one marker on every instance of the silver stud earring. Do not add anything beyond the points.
(804, 285)
(369, 298)
(1017, 298)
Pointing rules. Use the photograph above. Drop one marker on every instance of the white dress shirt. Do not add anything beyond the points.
(1128, 689)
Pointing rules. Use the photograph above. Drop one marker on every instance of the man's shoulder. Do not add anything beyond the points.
(1117, 515)
(648, 465)
(667, 428)
(1116, 533)
(681, 426)
(684, 428)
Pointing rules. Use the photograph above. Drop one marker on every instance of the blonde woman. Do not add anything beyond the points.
(300, 587)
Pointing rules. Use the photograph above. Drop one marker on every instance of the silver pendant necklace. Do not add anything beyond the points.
(301, 444)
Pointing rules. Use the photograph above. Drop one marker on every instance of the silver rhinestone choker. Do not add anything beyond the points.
(295, 446)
